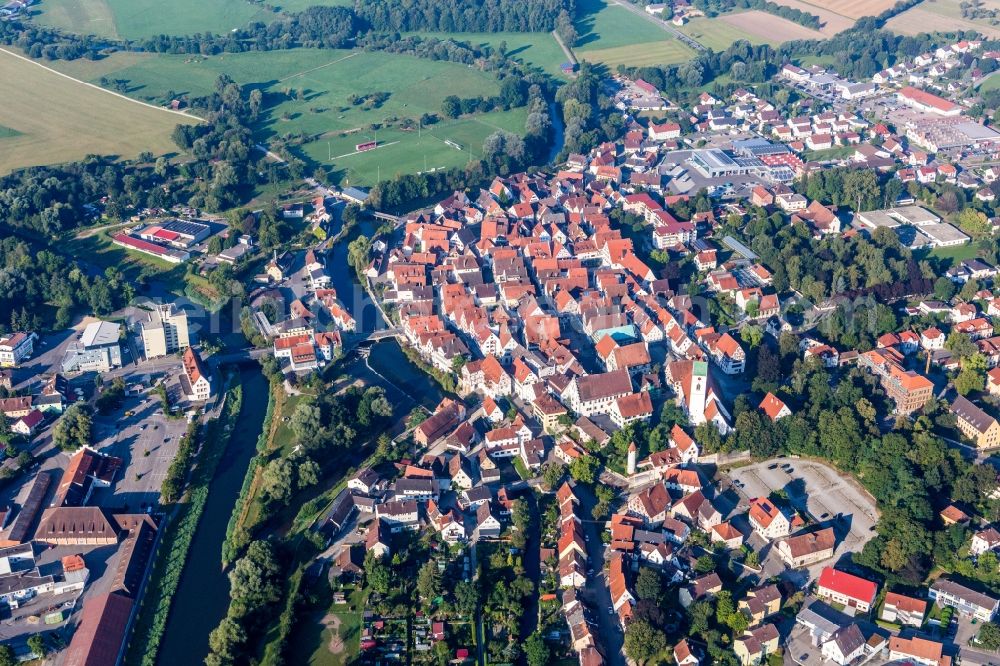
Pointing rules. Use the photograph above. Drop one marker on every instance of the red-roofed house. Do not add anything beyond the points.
(846, 589)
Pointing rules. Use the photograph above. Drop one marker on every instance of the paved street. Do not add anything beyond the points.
(596, 593)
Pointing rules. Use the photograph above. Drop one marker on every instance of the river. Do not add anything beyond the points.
(558, 132)
(202, 599)
(405, 384)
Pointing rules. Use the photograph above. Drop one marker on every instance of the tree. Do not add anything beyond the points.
(648, 584)
(584, 469)
(536, 651)
(277, 481)
(552, 473)
(254, 579)
(7, 657)
(960, 344)
(466, 598)
(704, 564)
(429, 581)
(752, 335)
(227, 639)
(643, 641)
(73, 430)
(37, 645)
(989, 636)
(944, 289)
(451, 106)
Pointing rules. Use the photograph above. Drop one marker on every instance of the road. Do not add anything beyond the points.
(596, 593)
(638, 11)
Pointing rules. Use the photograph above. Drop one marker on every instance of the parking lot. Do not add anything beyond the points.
(818, 491)
(147, 442)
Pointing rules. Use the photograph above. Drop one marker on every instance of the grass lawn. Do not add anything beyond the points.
(330, 637)
(138, 19)
(535, 49)
(54, 119)
(306, 93)
(613, 35)
(957, 253)
(100, 251)
(283, 435)
(835, 153)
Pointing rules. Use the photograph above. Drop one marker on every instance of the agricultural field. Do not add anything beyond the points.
(306, 91)
(768, 27)
(754, 26)
(944, 16)
(137, 19)
(48, 118)
(831, 12)
(614, 36)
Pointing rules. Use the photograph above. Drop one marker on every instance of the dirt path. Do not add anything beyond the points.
(332, 62)
(332, 622)
(104, 90)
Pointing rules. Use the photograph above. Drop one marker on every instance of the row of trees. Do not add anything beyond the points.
(714, 7)
(465, 15)
(255, 588)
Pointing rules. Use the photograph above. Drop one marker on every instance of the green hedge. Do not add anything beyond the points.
(175, 539)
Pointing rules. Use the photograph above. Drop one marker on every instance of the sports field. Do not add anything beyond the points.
(50, 119)
(306, 92)
(136, 19)
(613, 35)
(944, 16)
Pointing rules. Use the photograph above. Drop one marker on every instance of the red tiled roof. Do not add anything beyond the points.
(847, 584)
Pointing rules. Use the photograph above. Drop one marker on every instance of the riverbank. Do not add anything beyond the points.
(202, 596)
(177, 536)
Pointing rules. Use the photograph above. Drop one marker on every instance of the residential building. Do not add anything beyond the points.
(196, 380)
(918, 650)
(965, 600)
(767, 519)
(803, 550)
(845, 646)
(902, 609)
(16, 347)
(846, 589)
(164, 330)
(975, 423)
(909, 390)
(756, 645)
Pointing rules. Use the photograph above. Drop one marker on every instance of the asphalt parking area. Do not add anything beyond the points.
(814, 488)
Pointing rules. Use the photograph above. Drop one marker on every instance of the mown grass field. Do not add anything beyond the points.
(52, 119)
(613, 35)
(306, 92)
(535, 49)
(137, 19)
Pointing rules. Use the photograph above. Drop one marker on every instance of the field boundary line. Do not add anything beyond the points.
(104, 90)
(332, 62)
